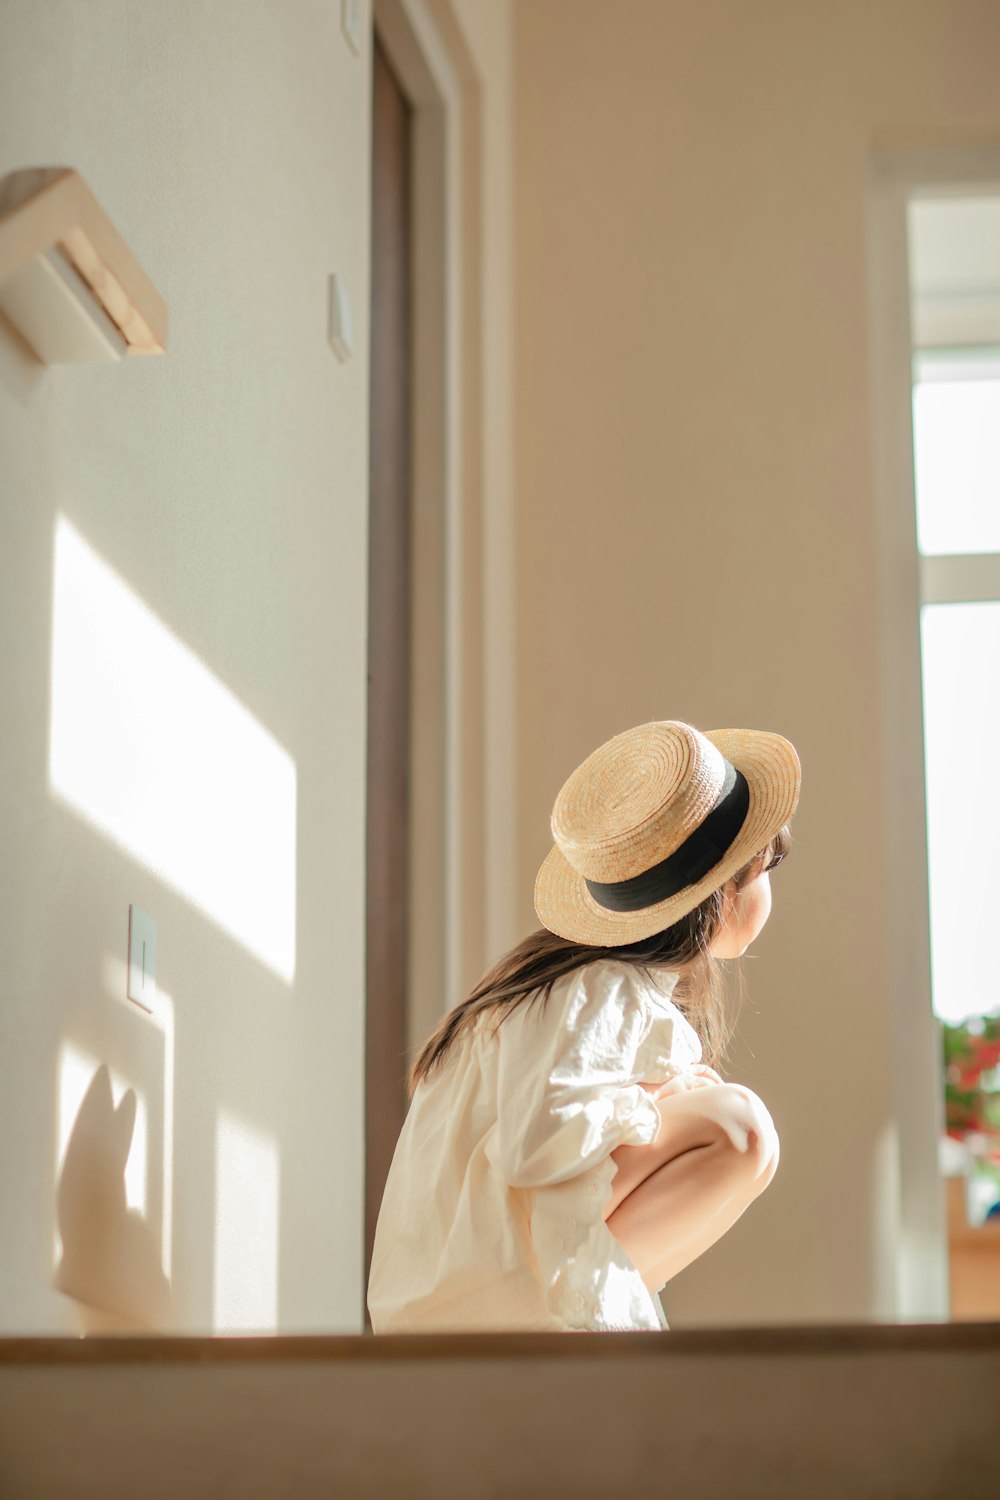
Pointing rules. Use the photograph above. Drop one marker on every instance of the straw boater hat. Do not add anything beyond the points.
(657, 819)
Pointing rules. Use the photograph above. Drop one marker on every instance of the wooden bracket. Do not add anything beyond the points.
(50, 213)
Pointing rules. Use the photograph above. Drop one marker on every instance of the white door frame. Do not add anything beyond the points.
(447, 885)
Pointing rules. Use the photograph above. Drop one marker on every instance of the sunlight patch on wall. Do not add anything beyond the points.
(883, 1216)
(76, 1073)
(116, 983)
(153, 750)
(246, 1227)
(164, 1020)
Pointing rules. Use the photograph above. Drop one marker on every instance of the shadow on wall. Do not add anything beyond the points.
(110, 1262)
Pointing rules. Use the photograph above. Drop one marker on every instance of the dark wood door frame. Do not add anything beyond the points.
(389, 631)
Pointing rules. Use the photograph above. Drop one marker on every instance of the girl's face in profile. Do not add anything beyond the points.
(746, 912)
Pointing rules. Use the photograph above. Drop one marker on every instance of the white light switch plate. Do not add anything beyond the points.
(141, 958)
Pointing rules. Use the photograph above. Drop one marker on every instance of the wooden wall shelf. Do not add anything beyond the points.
(68, 281)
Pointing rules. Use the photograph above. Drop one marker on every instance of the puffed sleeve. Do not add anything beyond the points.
(566, 1089)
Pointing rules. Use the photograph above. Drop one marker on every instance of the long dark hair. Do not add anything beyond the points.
(528, 972)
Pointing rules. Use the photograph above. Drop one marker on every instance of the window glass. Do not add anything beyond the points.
(961, 682)
(956, 452)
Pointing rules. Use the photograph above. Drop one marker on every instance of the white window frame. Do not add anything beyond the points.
(960, 577)
(912, 1253)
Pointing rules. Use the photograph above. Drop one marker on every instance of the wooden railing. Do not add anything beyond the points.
(834, 1412)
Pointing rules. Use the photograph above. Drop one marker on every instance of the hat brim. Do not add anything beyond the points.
(771, 766)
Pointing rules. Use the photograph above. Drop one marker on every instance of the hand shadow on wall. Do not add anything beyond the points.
(110, 1259)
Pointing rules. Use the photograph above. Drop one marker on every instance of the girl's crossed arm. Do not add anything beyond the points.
(716, 1151)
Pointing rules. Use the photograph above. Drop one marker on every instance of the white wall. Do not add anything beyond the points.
(224, 485)
(696, 526)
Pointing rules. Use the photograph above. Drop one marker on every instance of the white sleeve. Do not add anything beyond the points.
(566, 1095)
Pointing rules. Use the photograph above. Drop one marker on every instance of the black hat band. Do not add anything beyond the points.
(698, 854)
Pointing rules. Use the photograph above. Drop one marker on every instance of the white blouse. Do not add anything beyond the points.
(492, 1216)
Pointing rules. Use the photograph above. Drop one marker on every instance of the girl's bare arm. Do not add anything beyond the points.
(716, 1152)
(695, 1111)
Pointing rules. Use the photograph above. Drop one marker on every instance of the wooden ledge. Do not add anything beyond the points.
(791, 1339)
(867, 1411)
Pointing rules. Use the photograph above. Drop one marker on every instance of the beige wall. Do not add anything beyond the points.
(696, 535)
(225, 485)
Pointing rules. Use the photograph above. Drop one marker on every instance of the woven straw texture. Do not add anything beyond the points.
(635, 800)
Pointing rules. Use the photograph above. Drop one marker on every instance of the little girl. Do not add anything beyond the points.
(566, 1150)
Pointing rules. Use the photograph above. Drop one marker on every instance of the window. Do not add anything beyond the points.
(956, 440)
(955, 307)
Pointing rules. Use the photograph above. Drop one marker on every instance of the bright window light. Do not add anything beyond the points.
(164, 1021)
(155, 752)
(961, 669)
(956, 449)
(115, 972)
(246, 1227)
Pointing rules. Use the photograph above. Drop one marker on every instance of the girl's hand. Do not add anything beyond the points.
(698, 1075)
(709, 1074)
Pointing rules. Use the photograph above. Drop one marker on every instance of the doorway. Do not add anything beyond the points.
(389, 635)
(426, 796)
